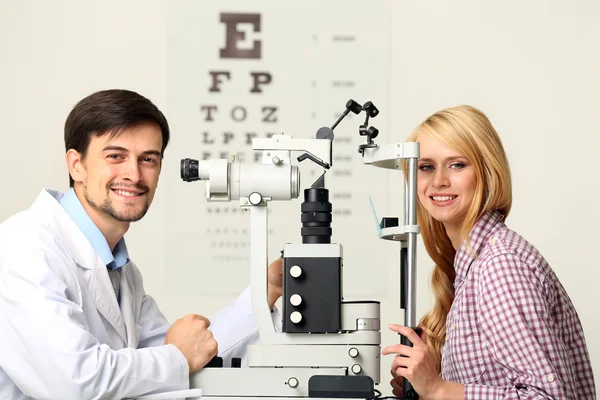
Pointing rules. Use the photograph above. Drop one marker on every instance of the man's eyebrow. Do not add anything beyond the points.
(152, 153)
(124, 150)
(115, 148)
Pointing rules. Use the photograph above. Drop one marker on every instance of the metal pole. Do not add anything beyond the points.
(411, 309)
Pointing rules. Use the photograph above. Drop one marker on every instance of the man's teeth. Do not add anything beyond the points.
(124, 193)
(443, 198)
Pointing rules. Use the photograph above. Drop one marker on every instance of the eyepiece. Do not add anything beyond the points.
(189, 170)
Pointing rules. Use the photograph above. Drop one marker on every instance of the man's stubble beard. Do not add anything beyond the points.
(108, 208)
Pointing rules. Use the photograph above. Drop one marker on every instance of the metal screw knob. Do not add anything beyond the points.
(353, 352)
(255, 198)
(292, 382)
(356, 369)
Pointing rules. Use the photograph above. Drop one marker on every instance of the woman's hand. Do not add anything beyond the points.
(417, 365)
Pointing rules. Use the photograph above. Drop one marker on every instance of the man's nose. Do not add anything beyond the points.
(132, 171)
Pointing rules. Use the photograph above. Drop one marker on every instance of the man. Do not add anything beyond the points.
(75, 322)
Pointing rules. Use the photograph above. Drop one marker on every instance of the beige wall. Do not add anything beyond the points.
(531, 66)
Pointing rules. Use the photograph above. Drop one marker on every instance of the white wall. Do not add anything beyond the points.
(531, 66)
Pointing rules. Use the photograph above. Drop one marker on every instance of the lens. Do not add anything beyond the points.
(316, 216)
(189, 170)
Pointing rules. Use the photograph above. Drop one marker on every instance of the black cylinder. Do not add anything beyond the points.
(316, 216)
(189, 170)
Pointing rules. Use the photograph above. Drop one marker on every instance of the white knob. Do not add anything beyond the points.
(295, 271)
(296, 317)
(356, 369)
(255, 198)
(353, 352)
(276, 160)
(296, 300)
(293, 382)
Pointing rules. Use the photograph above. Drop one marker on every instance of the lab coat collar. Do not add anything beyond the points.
(48, 209)
(113, 259)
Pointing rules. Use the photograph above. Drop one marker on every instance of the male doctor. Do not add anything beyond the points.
(75, 322)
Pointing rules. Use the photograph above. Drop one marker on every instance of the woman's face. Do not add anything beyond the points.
(446, 182)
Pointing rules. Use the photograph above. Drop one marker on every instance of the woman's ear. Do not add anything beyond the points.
(75, 165)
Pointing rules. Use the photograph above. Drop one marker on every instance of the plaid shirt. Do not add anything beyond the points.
(512, 331)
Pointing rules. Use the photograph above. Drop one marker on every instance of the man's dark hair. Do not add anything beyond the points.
(110, 112)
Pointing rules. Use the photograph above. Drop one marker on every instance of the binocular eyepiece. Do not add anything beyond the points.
(189, 170)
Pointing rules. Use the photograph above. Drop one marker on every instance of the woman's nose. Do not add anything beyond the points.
(440, 179)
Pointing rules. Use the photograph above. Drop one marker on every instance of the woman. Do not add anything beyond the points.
(502, 327)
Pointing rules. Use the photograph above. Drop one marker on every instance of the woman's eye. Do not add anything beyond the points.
(457, 165)
(426, 167)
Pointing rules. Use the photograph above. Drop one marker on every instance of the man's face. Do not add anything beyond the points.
(120, 173)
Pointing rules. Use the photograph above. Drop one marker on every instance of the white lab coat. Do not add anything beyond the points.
(62, 333)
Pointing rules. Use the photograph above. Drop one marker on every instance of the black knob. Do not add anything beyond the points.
(216, 362)
(371, 110)
(372, 132)
(236, 362)
(353, 106)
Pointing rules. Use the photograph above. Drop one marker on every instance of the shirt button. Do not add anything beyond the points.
(493, 240)
(452, 326)
(550, 378)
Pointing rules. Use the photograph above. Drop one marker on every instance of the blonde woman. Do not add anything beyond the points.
(503, 326)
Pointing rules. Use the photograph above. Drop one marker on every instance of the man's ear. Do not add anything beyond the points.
(75, 165)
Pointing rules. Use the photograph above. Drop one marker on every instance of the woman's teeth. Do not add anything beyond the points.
(443, 198)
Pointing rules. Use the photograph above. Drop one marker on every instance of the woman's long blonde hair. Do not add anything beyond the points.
(468, 131)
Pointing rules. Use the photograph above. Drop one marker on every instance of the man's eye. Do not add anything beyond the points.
(426, 167)
(114, 156)
(149, 160)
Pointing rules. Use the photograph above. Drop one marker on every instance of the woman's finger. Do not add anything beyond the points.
(398, 349)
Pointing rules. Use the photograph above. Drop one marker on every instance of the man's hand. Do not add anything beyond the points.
(274, 281)
(396, 384)
(191, 336)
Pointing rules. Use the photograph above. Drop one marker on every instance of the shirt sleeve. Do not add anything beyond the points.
(234, 328)
(516, 324)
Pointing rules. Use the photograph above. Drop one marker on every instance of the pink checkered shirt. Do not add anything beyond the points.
(512, 331)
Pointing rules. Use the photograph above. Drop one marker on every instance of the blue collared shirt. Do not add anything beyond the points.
(114, 260)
